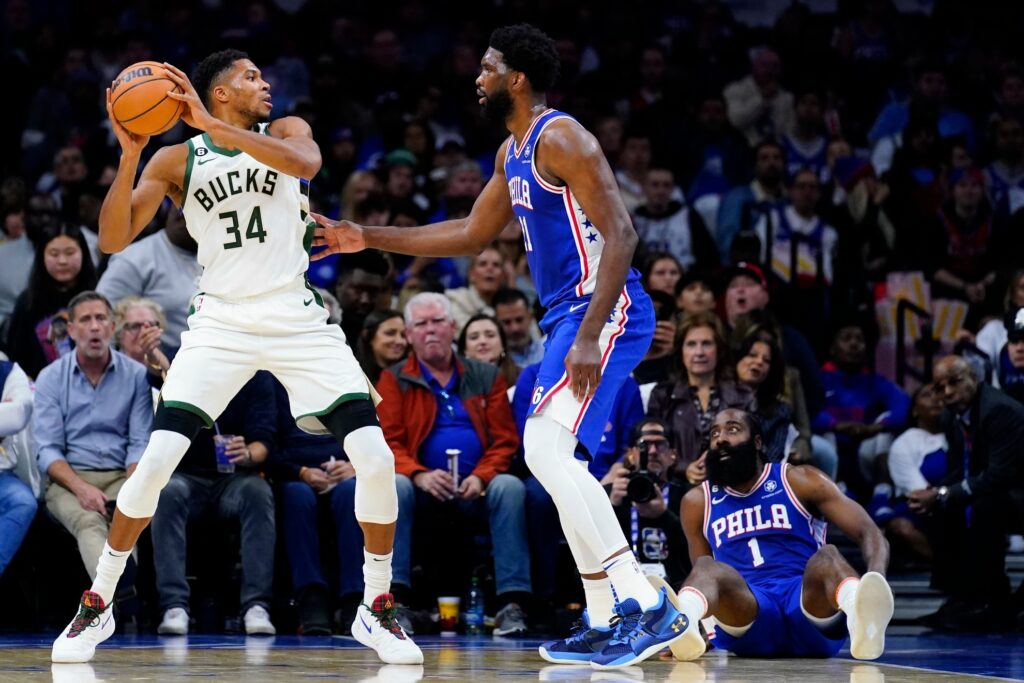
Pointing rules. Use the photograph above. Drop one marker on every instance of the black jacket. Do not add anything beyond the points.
(997, 447)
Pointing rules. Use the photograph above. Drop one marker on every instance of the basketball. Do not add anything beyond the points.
(139, 99)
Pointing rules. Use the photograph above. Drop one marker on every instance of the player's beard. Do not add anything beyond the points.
(737, 470)
(498, 107)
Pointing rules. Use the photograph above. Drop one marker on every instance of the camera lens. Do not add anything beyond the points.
(640, 488)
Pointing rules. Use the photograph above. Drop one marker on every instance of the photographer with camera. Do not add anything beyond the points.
(646, 502)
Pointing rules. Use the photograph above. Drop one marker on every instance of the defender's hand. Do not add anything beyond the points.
(339, 237)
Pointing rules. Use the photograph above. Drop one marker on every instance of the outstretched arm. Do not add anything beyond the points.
(570, 154)
(289, 147)
(816, 490)
(491, 212)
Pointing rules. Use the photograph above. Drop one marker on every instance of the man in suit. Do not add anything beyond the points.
(979, 501)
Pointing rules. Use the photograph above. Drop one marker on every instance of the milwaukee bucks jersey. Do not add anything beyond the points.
(249, 220)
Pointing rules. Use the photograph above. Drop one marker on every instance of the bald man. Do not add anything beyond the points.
(980, 500)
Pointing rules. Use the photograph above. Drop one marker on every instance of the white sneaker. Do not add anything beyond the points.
(93, 624)
(257, 622)
(174, 623)
(377, 628)
(872, 610)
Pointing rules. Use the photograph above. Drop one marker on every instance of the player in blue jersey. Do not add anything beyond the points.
(553, 180)
(756, 532)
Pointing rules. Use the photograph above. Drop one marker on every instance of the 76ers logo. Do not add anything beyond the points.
(538, 394)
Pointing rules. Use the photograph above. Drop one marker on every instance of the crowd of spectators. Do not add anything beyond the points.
(778, 174)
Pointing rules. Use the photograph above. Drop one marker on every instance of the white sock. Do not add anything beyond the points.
(693, 604)
(846, 592)
(108, 571)
(629, 582)
(600, 601)
(376, 576)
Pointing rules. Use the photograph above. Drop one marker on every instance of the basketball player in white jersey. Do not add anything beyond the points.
(240, 184)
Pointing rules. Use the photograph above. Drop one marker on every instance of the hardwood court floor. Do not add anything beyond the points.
(910, 657)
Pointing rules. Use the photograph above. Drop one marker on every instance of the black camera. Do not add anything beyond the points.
(643, 485)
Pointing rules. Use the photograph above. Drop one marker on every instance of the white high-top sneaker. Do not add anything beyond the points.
(377, 628)
(93, 624)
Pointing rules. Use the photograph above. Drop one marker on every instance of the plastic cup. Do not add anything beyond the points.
(448, 611)
(220, 449)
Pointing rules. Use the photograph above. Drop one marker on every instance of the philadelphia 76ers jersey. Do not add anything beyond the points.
(766, 535)
(563, 247)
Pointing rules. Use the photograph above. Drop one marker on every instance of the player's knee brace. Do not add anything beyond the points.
(350, 416)
(177, 420)
(374, 463)
(140, 494)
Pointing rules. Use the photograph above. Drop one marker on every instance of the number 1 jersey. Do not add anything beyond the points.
(766, 534)
(250, 220)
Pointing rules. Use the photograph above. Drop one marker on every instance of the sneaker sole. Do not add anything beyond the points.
(636, 659)
(562, 659)
(873, 608)
(78, 657)
(685, 649)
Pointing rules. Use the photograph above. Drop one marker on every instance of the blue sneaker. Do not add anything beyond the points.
(638, 635)
(580, 647)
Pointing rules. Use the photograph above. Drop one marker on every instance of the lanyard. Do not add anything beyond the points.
(634, 522)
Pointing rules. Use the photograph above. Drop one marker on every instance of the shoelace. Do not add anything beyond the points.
(87, 616)
(625, 625)
(388, 618)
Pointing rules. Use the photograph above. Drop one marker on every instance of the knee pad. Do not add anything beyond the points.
(350, 416)
(374, 463)
(139, 496)
(177, 420)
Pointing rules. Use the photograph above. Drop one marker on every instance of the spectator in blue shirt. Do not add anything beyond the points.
(233, 491)
(862, 408)
(91, 420)
(17, 504)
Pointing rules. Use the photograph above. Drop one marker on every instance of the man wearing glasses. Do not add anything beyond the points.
(449, 423)
(646, 502)
(979, 502)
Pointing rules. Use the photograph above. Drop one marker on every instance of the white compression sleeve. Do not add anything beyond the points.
(582, 503)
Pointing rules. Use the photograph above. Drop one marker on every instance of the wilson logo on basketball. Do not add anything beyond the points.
(135, 73)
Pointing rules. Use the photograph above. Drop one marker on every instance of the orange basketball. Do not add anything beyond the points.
(139, 99)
